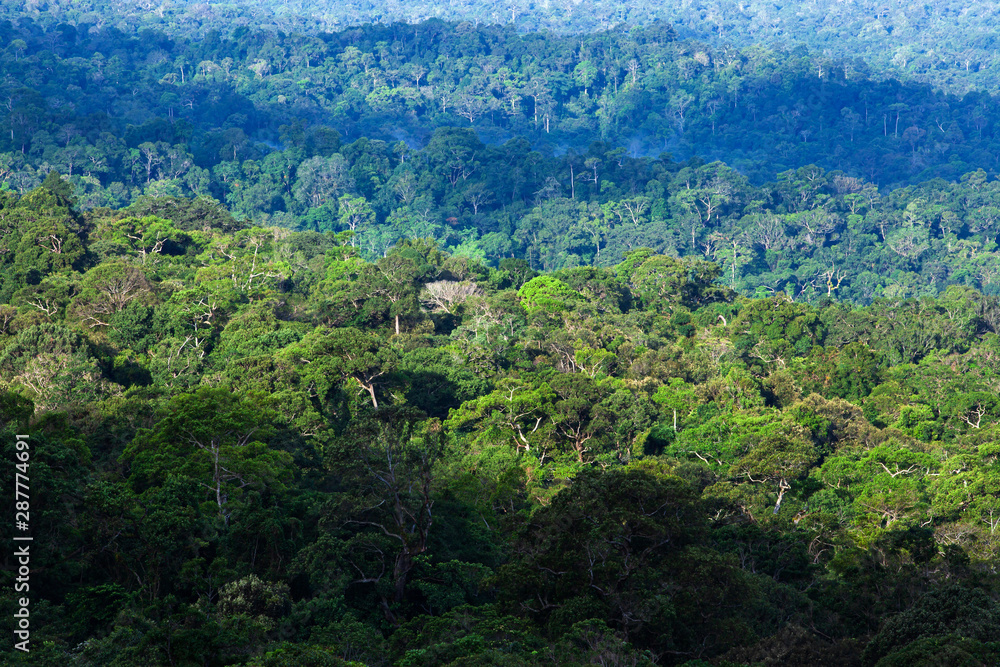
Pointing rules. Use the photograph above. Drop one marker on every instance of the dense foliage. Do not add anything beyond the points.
(150, 116)
(435, 343)
(127, 109)
(947, 44)
(252, 446)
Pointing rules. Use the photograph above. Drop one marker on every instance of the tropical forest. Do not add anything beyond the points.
(514, 333)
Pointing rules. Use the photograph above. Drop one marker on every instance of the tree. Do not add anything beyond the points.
(19, 46)
(446, 294)
(585, 74)
(516, 413)
(477, 195)
(396, 277)
(773, 330)
(216, 439)
(662, 282)
(326, 357)
(320, 179)
(355, 214)
(609, 546)
(243, 264)
(679, 397)
(780, 456)
(54, 366)
(390, 461)
(106, 290)
(678, 106)
(576, 417)
(298, 655)
(62, 189)
(546, 294)
(150, 157)
(144, 238)
(951, 611)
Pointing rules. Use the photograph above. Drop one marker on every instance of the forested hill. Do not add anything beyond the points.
(250, 446)
(499, 343)
(226, 97)
(802, 203)
(948, 45)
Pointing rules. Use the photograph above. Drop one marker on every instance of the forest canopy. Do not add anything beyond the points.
(362, 334)
(562, 151)
(258, 447)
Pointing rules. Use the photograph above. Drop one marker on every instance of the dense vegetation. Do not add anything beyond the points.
(252, 445)
(947, 44)
(149, 115)
(454, 344)
(206, 105)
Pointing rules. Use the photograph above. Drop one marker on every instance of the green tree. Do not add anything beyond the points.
(390, 460)
(55, 366)
(545, 294)
(327, 357)
(216, 439)
(953, 610)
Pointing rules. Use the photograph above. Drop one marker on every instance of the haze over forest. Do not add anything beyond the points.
(512, 333)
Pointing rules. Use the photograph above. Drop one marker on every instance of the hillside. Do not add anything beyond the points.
(250, 446)
(514, 334)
